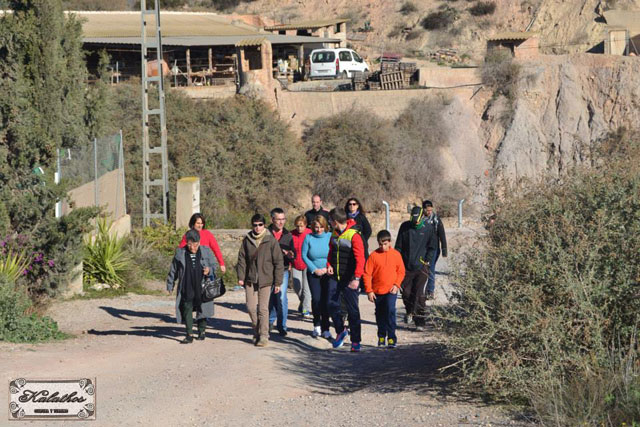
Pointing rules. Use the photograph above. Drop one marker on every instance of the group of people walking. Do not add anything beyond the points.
(326, 257)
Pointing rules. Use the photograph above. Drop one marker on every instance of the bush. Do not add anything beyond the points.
(351, 154)
(106, 260)
(408, 7)
(552, 305)
(16, 325)
(440, 19)
(483, 8)
(12, 265)
(414, 34)
(245, 155)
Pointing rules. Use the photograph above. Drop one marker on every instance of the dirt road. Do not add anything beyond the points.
(144, 377)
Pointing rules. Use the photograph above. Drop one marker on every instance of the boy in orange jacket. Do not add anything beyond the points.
(383, 274)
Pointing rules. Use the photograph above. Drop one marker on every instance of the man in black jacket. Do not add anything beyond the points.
(436, 223)
(279, 304)
(417, 244)
(316, 204)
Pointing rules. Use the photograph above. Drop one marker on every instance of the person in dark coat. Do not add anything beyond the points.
(279, 304)
(417, 244)
(356, 212)
(316, 209)
(190, 266)
(436, 223)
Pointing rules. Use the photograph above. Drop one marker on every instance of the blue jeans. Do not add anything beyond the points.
(386, 315)
(339, 292)
(431, 283)
(279, 305)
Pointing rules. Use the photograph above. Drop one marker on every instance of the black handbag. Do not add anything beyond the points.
(212, 289)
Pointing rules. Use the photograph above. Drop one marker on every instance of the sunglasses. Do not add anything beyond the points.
(353, 204)
(258, 224)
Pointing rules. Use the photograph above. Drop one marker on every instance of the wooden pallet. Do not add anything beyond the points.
(391, 81)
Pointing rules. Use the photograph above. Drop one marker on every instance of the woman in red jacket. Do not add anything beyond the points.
(196, 222)
(300, 284)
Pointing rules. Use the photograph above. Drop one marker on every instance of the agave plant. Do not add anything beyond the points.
(12, 265)
(106, 259)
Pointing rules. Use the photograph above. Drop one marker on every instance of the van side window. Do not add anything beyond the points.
(357, 57)
(323, 56)
(345, 56)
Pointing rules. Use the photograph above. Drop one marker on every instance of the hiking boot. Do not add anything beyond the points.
(391, 343)
(381, 342)
(355, 347)
(327, 335)
(283, 333)
(187, 340)
(337, 343)
(262, 342)
(408, 318)
(316, 332)
(201, 336)
(307, 315)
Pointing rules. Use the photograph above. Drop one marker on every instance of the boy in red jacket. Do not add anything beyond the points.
(383, 274)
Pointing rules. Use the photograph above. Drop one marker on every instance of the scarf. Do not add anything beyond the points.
(258, 237)
(419, 225)
(192, 279)
(353, 215)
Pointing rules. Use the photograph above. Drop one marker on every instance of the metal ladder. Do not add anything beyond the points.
(147, 150)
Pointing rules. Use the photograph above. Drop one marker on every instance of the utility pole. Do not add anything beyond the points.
(159, 179)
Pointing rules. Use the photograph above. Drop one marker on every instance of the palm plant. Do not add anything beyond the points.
(12, 265)
(106, 259)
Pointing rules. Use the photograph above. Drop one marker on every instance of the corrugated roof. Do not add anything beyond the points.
(629, 19)
(306, 24)
(174, 24)
(188, 41)
(513, 35)
(256, 41)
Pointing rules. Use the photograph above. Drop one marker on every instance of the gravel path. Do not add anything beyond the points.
(144, 377)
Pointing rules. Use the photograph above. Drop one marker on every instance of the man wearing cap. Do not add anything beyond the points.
(436, 223)
(417, 244)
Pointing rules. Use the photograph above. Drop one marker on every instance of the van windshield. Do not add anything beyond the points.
(323, 56)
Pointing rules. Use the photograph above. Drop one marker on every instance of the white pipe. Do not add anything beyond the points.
(386, 215)
(460, 213)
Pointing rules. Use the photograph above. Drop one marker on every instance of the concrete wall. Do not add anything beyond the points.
(296, 108)
(528, 49)
(208, 92)
(447, 77)
(616, 42)
(110, 194)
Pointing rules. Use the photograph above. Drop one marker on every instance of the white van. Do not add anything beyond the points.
(335, 63)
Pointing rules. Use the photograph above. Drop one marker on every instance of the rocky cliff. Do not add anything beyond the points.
(564, 104)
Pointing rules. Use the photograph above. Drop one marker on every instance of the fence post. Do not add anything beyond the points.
(460, 213)
(95, 170)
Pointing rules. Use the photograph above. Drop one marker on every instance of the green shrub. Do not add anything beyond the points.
(483, 8)
(16, 325)
(413, 34)
(552, 302)
(351, 154)
(106, 260)
(245, 155)
(408, 7)
(440, 19)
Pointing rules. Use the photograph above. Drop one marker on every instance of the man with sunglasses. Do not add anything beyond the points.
(417, 244)
(279, 304)
(260, 270)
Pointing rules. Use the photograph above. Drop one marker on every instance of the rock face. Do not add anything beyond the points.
(564, 104)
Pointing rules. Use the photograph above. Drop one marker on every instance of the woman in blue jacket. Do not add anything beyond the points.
(315, 250)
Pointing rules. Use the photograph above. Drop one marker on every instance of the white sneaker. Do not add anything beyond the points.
(316, 332)
(327, 335)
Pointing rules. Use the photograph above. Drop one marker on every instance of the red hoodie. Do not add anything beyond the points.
(298, 238)
(357, 246)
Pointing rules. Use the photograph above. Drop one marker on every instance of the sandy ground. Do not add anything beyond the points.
(144, 377)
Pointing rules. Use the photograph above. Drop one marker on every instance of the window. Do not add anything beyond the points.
(357, 57)
(345, 55)
(323, 56)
